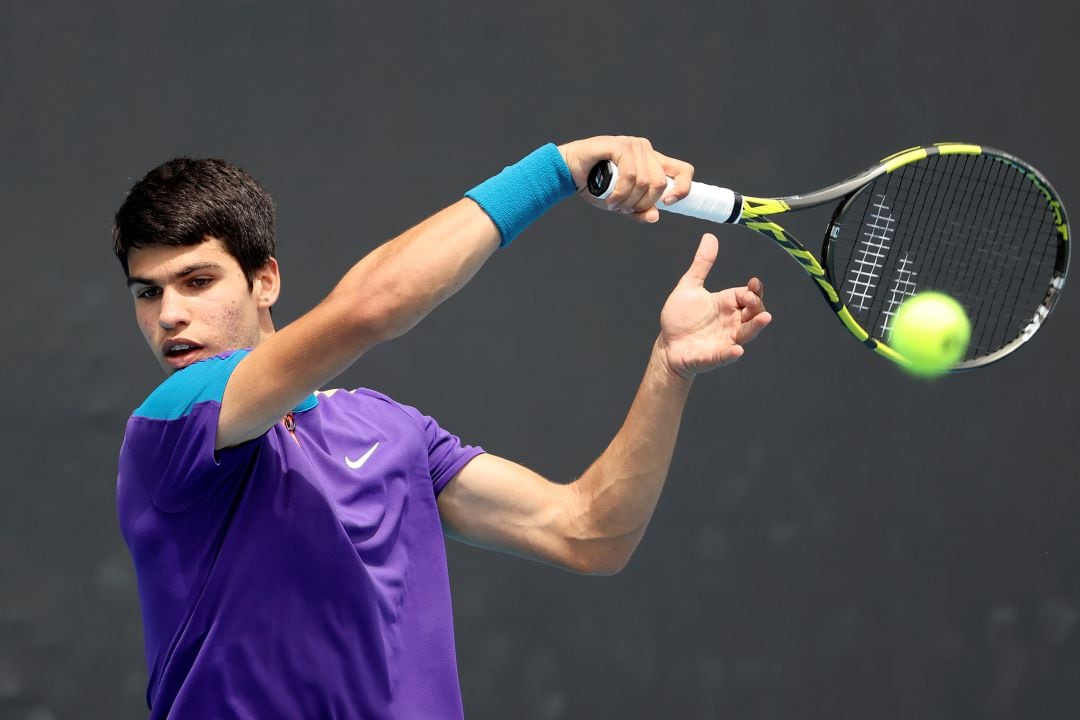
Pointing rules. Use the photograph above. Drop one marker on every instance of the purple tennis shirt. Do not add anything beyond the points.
(301, 574)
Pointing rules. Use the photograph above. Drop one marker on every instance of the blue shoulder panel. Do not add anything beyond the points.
(199, 382)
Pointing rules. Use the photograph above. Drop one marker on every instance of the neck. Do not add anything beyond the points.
(266, 325)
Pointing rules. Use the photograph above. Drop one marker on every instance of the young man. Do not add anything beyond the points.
(288, 541)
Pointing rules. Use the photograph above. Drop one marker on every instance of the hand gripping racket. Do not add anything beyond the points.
(966, 220)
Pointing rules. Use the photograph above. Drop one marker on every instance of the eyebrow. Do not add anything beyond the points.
(175, 276)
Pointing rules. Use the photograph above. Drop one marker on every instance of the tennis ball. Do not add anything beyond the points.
(932, 331)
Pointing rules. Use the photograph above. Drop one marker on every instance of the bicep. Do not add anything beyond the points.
(498, 504)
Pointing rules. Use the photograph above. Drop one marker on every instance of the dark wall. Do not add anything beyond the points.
(836, 540)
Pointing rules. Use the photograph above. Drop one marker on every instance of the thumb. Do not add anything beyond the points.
(703, 262)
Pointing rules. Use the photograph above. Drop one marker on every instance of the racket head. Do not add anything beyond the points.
(970, 221)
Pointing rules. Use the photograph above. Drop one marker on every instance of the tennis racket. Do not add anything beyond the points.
(966, 220)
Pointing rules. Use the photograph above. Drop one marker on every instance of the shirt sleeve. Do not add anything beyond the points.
(169, 440)
(445, 451)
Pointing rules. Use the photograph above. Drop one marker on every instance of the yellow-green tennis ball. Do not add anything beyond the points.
(932, 331)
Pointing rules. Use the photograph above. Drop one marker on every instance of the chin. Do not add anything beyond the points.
(171, 365)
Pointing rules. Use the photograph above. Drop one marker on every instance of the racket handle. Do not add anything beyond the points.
(705, 202)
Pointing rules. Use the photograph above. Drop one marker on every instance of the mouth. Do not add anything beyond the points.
(180, 353)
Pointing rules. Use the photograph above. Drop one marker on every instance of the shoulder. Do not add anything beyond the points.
(371, 403)
(200, 382)
(364, 397)
(374, 396)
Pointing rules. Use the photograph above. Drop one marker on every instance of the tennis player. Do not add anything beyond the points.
(288, 541)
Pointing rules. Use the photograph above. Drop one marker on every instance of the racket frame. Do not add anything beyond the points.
(754, 213)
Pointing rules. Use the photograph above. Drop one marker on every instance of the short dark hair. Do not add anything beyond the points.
(186, 202)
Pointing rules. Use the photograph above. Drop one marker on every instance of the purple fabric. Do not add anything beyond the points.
(278, 582)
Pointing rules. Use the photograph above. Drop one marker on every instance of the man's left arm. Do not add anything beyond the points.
(593, 525)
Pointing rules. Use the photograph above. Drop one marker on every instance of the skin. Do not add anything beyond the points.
(199, 295)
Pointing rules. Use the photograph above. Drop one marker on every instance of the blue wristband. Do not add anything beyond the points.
(523, 192)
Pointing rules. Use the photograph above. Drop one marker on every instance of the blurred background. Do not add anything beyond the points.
(836, 540)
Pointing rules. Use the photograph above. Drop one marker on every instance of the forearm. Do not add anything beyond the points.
(593, 524)
(406, 278)
(394, 287)
(616, 496)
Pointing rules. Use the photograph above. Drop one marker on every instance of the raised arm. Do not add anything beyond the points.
(391, 289)
(593, 524)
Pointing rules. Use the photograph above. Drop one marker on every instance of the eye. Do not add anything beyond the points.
(200, 282)
(148, 293)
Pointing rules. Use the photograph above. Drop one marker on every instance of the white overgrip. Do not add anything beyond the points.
(707, 202)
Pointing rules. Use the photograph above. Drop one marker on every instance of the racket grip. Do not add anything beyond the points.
(705, 202)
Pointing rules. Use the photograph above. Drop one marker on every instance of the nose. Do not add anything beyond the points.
(173, 310)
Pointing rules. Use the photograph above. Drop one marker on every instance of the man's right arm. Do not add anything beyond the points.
(395, 286)
(381, 297)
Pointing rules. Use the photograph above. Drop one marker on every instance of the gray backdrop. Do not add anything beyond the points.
(836, 540)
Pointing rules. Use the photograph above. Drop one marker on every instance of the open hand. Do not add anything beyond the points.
(702, 330)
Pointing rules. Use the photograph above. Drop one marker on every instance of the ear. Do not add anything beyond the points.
(267, 284)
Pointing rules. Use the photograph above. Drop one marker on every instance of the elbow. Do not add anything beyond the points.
(594, 561)
(606, 569)
(591, 545)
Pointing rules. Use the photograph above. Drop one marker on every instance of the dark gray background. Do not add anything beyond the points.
(836, 540)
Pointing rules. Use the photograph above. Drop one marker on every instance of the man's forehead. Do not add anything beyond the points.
(160, 262)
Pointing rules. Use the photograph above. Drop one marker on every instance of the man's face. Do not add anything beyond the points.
(193, 301)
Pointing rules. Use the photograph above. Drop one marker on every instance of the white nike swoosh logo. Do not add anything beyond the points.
(356, 464)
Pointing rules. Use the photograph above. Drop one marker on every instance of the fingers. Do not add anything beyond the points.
(753, 315)
(731, 354)
(704, 259)
(645, 175)
(641, 180)
(750, 329)
(751, 298)
(682, 173)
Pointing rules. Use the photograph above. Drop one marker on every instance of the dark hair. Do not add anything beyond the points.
(185, 202)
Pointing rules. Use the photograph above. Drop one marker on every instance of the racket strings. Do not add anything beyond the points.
(1028, 221)
(973, 226)
(1023, 213)
(985, 258)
